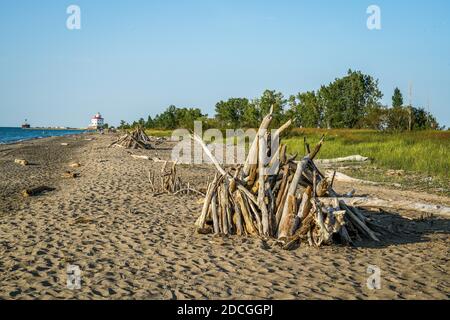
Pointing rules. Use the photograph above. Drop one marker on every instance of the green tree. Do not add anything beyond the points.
(251, 116)
(173, 118)
(291, 112)
(375, 117)
(268, 99)
(141, 123)
(397, 119)
(123, 125)
(346, 100)
(185, 117)
(149, 123)
(423, 120)
(166, 119)
(352, 101)
(230, 113)
(397, 98)
(307, 110)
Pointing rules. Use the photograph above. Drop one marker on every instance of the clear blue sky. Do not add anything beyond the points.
(134, 58)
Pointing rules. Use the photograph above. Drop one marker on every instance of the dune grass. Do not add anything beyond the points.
(158, 132)
(427, 152)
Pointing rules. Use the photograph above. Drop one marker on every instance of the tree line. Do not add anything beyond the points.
(172, 118)
(353, 101)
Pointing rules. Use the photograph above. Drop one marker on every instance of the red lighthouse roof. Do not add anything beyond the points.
(97, 116)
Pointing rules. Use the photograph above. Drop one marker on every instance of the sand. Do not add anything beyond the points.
(129, 244)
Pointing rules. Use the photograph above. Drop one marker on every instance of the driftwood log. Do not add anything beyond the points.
(355, 158)
(75, 165)
(281, 203)
(338, 176)
(36, 191)
(364, 202)
(70, 175)
(22, 162)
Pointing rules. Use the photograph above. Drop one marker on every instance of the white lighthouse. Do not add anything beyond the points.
(97, 121)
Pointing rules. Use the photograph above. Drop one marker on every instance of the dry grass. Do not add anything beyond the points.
(426, 152)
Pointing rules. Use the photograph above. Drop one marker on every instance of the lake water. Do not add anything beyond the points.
(10, 135)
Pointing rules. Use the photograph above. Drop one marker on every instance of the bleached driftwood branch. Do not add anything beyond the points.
(355, 158)
(391, 204)
(338, 176)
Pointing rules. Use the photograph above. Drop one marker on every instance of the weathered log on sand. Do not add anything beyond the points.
(75, 165)
(36, 191)
(70, 175)
(338, 176)
(355, 158)
(156, 159)
(22, 162)
(364, 202)
(134, 156)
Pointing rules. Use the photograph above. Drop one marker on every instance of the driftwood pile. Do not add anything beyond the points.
(136, 139)
(284, 205)
(170, 181)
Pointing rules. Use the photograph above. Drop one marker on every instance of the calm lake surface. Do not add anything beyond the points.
(10, 135)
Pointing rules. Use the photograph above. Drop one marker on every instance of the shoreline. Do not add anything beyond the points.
(46, 128)
(55, 129)
(34, 139)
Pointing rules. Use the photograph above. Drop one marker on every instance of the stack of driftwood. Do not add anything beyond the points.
(136, 139)
(170, 181)
(282, 203)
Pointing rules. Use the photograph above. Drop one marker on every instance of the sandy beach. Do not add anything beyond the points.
(130, 244)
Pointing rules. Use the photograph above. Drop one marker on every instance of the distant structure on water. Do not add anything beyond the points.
(97, 121)
(26, 125)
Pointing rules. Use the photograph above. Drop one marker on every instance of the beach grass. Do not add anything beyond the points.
(158, 132)
(427, 152)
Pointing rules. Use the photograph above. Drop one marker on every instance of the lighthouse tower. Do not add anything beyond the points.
(97, 121)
